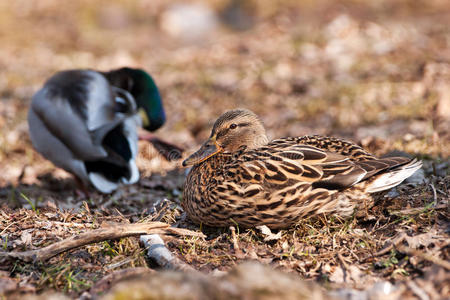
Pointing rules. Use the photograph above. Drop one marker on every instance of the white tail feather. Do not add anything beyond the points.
(393, 177)
(101, 183)
(134, 173)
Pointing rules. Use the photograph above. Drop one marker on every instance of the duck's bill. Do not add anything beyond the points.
(144, 117)
(208, 149)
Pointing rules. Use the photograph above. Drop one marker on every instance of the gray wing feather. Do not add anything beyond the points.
(77, 107)
(68, 127)
(52, 148)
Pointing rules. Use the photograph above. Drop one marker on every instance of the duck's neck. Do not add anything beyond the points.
(260, 141)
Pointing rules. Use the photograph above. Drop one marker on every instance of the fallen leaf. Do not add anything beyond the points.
(268, 233)
(26, 238)
(424, 239)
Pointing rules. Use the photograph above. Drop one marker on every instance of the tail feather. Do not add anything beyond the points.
(120, 165)
(392, 177)
(101, 183)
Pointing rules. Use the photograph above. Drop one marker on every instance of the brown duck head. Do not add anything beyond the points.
(233, 130)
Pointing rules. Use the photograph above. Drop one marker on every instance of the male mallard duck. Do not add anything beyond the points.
(86, 123)
(238, 176)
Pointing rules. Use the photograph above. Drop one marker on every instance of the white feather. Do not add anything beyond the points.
(394, 177)
(101, 183)
(134, 173)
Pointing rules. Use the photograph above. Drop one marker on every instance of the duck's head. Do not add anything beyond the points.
(234, 130)
(144, 90)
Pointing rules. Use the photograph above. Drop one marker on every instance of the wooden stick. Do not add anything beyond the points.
(177, 231)
(158, 252)
(116, 231)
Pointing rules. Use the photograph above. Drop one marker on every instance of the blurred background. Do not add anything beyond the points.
(376, 72)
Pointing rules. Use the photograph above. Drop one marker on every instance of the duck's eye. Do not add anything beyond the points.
(233, 126)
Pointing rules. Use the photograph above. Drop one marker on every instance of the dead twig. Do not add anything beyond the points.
(341, 258)
(434, 259)
(94, 236)
(182, 231)
(345, 268)
(158, 252)
(41, 224)
(434, 194)
(392, 244)
(416, 210)
(120, 263)
(9, 225)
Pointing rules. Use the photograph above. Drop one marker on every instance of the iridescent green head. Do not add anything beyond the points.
(144, 90)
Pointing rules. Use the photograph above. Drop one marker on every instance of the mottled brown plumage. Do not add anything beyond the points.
(239, 177)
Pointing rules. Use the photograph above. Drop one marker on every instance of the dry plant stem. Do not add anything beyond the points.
(434, 259)
(434, 194)
(113, 232)
(417, 210)
(158, 252)
(67, 224)
(341, 258)
(345, 266)
(392, 244)
(234, 238)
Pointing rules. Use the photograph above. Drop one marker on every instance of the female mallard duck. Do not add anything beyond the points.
(240, 177)
(86, 123)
